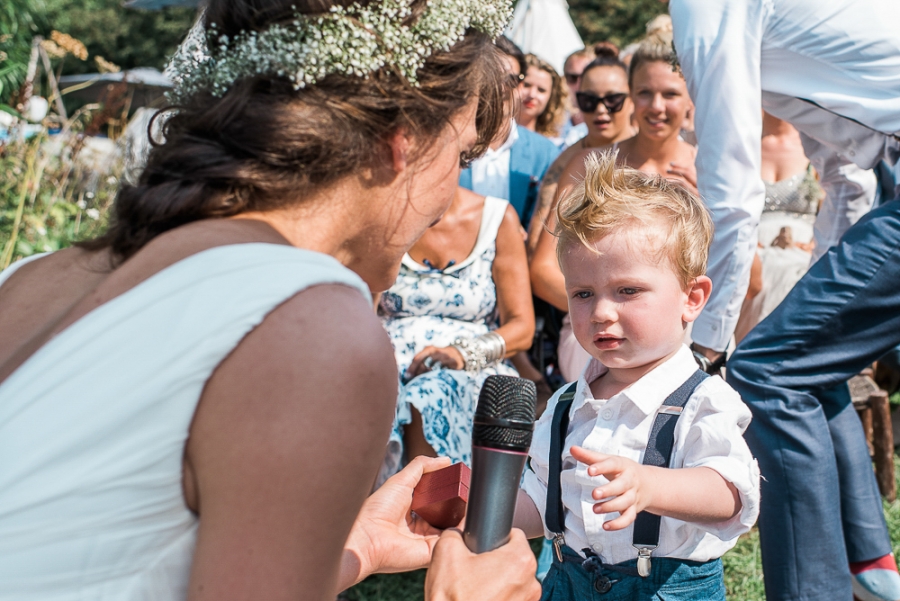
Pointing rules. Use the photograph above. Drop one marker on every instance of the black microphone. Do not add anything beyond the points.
(504, 423)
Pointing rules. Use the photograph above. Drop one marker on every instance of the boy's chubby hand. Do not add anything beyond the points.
(627, 492)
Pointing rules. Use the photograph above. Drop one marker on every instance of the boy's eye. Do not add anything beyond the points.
(582, 294)
(628, 291)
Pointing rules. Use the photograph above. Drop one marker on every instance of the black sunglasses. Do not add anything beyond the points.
(588, 102)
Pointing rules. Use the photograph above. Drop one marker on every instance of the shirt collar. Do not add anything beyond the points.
(649, 392)
(510, 140)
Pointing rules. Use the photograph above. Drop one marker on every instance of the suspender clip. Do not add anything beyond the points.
(643, 562)
(558, 541)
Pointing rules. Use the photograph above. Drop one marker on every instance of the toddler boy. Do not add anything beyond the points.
(639, 469)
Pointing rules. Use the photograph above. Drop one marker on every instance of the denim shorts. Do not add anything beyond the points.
(669, 580)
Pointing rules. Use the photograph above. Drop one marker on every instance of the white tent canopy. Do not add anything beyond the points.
(544, 28)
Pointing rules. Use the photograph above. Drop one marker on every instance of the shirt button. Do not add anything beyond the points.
(607, 414)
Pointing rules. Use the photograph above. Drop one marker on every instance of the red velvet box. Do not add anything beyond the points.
(440, 497)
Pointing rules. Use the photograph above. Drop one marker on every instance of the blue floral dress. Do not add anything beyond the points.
(429, 307)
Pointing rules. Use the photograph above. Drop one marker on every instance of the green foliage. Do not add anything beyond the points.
(618, 21)
(127, 37)
(743, 570)
(20, 21)
(52, 193)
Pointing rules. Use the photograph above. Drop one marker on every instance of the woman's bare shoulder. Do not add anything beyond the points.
(49, 294)
(296, 416)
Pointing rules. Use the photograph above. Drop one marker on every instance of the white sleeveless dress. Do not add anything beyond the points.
(93, 425)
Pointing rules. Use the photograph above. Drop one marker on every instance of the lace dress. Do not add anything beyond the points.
(791, 203)
(429, 307)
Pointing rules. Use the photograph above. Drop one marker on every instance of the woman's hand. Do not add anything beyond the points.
(386, 536)
(686, 174)
(447, 356)
(504, 574)
(625, 494)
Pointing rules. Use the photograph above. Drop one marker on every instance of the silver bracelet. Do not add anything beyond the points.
(480, 352)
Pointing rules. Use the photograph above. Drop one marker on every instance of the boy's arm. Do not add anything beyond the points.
(527, 517)
(697, 494)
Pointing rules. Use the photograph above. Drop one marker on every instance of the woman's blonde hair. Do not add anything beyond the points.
(611, 198)
(656, 47)
(551, 120)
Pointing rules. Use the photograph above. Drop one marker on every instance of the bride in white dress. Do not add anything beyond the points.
(195, 406)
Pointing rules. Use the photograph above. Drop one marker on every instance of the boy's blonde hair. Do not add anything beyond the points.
(610, 198)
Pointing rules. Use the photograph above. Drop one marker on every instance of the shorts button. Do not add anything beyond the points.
(602, 584)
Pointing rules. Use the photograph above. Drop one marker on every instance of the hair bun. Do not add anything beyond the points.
(606, 50)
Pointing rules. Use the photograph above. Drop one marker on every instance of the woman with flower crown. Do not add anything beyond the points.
(195, 405)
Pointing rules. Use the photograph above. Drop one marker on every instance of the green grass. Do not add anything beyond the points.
(743, 568)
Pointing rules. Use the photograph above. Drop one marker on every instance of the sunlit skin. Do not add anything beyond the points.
(535, 92)
(661, 100)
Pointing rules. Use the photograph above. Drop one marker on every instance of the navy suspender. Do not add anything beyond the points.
(555, 513)
(658, 453)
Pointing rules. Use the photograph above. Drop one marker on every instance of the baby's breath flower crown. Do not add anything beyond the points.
(351, 40)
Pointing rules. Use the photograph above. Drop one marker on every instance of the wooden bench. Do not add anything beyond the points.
(874, 410)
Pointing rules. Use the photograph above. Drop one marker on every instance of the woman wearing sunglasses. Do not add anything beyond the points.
(603, 100)
(661, 105)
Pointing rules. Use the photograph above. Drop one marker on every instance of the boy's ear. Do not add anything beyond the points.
(697, 294)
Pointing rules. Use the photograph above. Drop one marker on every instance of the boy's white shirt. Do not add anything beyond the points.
(709, 433)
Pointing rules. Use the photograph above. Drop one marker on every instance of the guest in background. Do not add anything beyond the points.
(574, 128)
(512, 168)
(462, 293)
(606, 106)
(661, 104)
(543, 98)
(793, 196)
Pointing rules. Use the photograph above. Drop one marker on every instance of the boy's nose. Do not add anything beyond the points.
(604, 311)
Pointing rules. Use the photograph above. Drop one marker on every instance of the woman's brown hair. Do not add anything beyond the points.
(264, 145)
(551, 120)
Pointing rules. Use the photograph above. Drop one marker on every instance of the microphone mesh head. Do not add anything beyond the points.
(508, 398)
